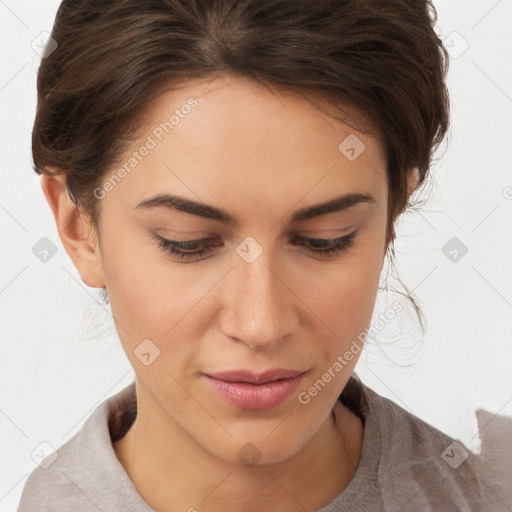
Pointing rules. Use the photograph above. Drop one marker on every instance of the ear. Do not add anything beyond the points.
(412, 181)
(413, 177)
(75, 231)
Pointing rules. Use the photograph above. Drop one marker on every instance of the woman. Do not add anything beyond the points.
(230, 173)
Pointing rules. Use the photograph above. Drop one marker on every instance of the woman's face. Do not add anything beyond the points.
(259, 297)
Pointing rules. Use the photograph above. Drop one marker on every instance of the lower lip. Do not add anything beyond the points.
(255, 396)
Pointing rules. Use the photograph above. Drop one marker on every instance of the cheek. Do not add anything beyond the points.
(344, 300)
(153, 297)
(149, 295)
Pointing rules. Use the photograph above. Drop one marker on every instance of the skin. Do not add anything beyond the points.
(261, 157)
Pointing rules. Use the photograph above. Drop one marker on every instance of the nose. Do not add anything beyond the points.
(259, 307)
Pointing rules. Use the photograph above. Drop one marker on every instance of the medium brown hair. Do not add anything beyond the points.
(114, 57)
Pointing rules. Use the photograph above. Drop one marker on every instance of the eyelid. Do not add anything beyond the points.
(208, 233)
(322, 237)
(333, 247)
(328, 240)
(329, 233)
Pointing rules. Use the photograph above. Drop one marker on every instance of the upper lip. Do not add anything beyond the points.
(256, 378)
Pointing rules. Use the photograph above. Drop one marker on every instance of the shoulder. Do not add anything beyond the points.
(70, 477)
(51, 484)
(412, 465)
(428, 468)
(49, 489)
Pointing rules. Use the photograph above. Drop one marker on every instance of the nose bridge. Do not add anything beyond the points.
(259, 311)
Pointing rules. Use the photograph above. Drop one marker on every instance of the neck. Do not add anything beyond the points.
(171, 471)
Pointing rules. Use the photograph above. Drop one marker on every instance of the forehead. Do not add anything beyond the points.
(225, 104)
(231, 134)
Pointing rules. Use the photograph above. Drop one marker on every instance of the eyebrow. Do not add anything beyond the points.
(203, 210)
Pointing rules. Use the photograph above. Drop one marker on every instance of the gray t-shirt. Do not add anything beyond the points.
(406, 464)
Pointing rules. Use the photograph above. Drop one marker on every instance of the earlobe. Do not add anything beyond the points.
(75, 231)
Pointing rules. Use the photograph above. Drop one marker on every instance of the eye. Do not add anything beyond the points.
(328, 247)
(185, 249)
(192, 249)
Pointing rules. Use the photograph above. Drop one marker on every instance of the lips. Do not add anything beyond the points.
(255, 378)
(256, 391)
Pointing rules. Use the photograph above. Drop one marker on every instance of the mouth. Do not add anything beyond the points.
(247, 390)
(246, 376)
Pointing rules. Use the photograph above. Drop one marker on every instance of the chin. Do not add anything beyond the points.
(261, 449)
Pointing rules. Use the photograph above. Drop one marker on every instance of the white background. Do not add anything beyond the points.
(60, 353)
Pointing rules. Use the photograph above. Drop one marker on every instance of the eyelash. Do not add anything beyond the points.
(339, 245)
